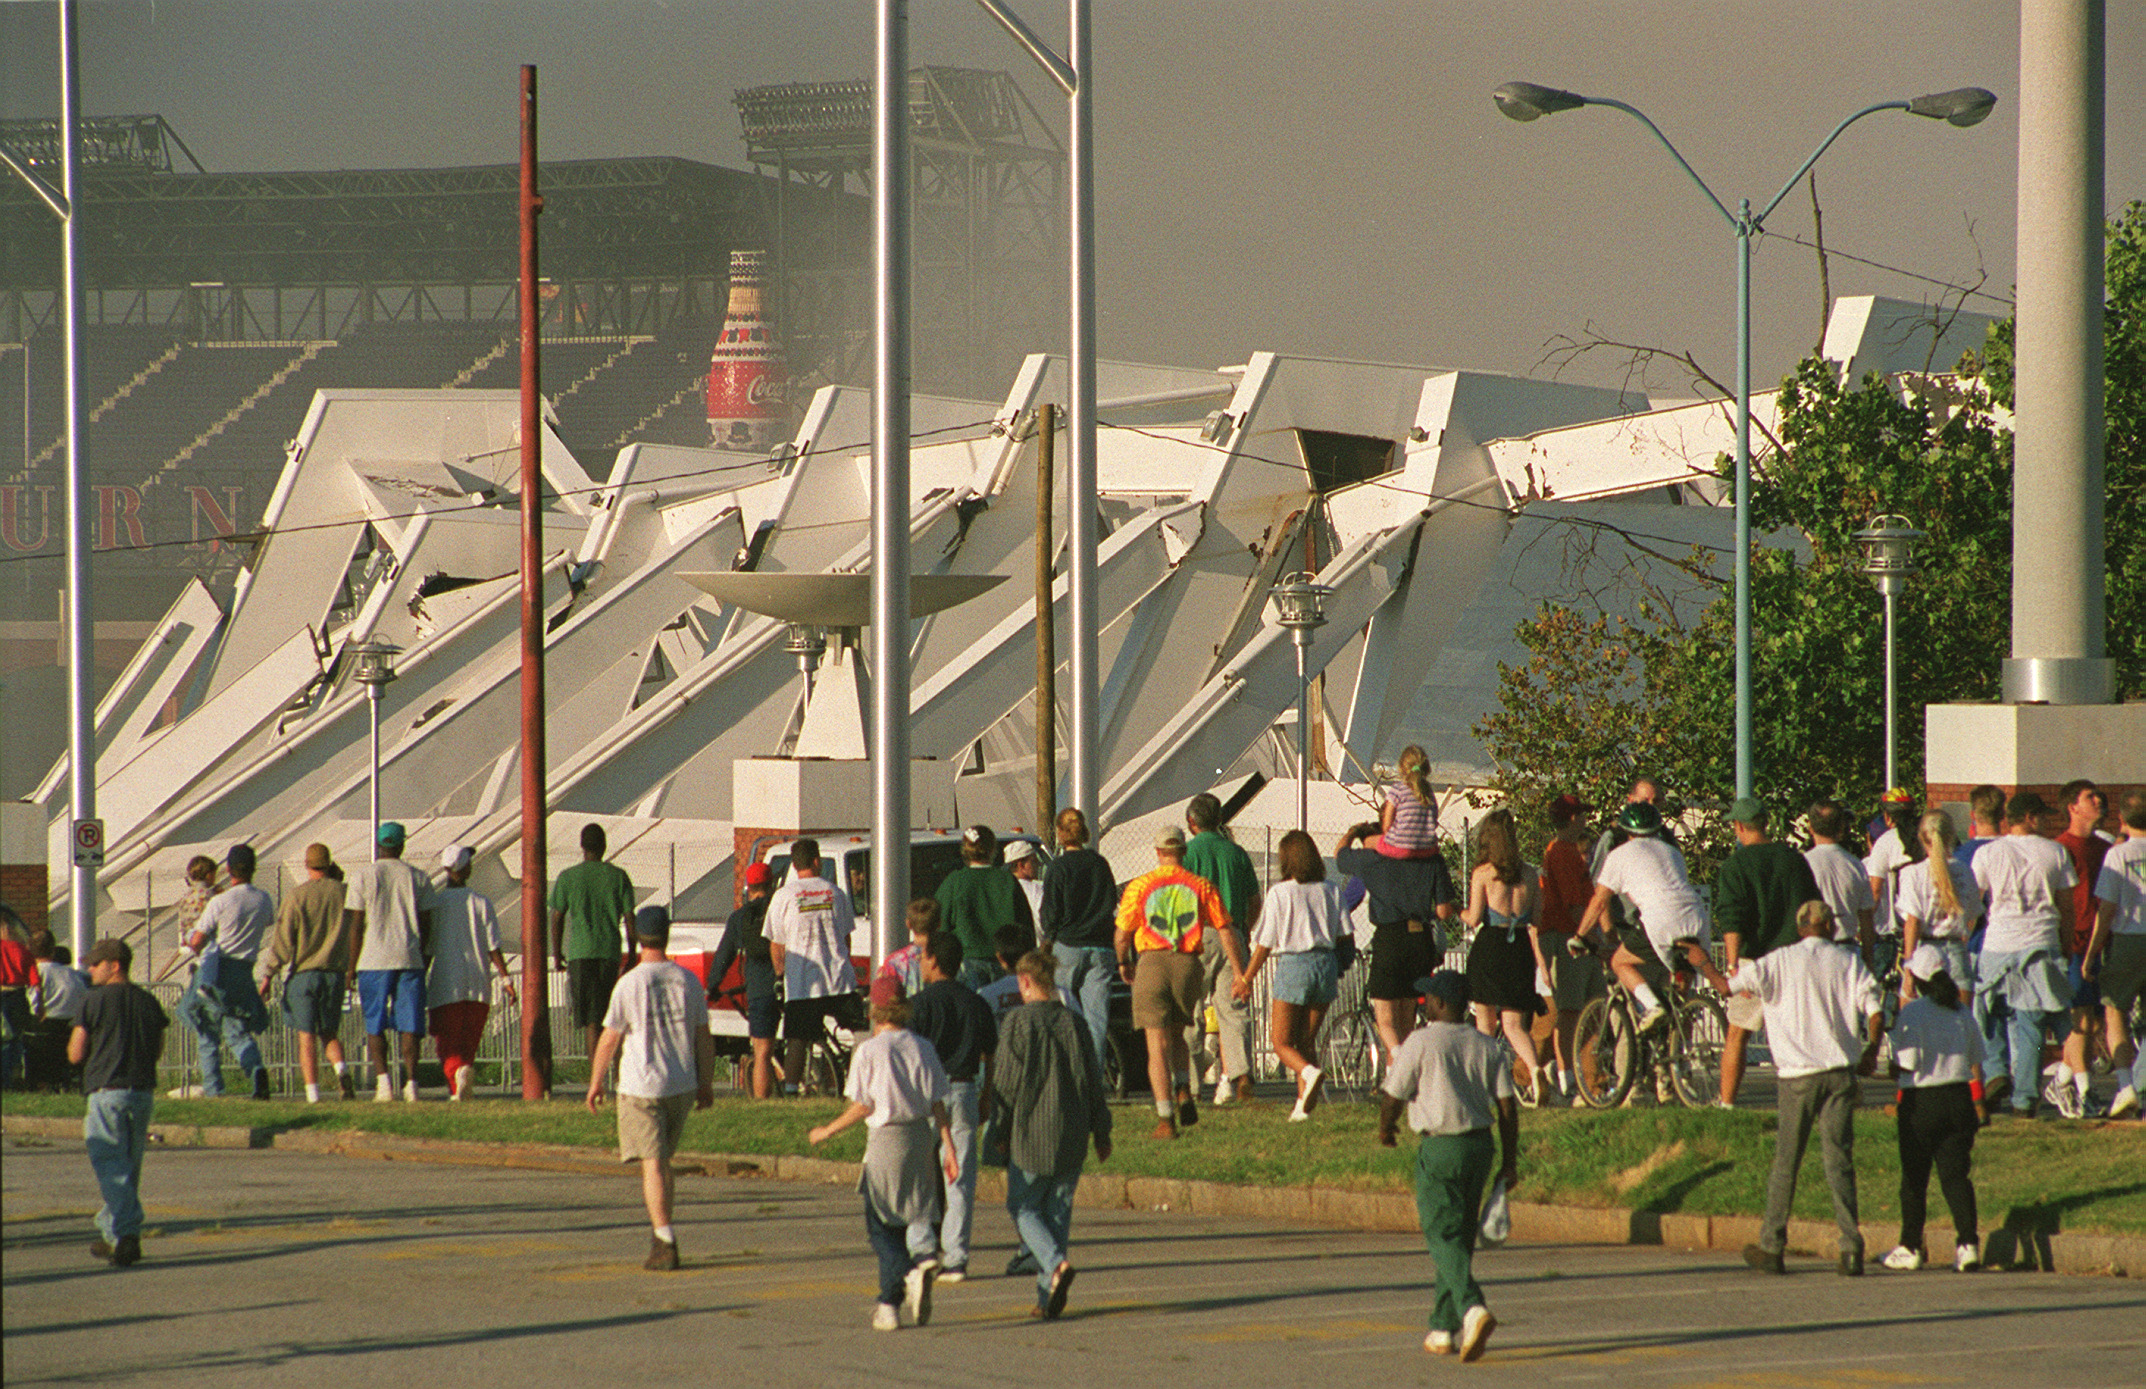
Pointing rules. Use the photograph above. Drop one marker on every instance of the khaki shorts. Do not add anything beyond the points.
(650, 1128)
(2123, 971)
(1167, 989)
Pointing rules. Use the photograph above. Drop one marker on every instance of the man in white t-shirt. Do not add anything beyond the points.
(1823, 1022)
(390, 905)
(1890, 852)
(2026, 879)
(1027, 870)
(656, 1028)
(228, 936)
(808, 927)
(1842, 881)
(1650, 878)
(2116, 954)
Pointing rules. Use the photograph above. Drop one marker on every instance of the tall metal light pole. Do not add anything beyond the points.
(375, 670)
(64, 203)
(1963, 106)
(536, 865)
(890, 474)
(1072, 74)
(1300, 605)
(1889, 559)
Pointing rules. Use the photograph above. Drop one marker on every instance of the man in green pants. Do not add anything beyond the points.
(1453, 1083)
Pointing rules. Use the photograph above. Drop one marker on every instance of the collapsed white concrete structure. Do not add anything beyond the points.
(396, 519)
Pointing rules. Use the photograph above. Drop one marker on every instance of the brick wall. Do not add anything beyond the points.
(23, 887)
(1939, 794)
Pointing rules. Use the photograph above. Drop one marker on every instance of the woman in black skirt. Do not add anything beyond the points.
(1507, 954)
(1937, 1054)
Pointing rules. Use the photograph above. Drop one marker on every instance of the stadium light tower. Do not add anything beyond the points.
(1962, 106)
(64, 203)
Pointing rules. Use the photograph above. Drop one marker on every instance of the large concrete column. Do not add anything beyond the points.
(2059, 650)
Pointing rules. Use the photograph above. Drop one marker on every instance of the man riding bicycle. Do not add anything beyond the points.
(1644, 881)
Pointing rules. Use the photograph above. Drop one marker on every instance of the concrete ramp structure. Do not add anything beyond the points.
(396, 519)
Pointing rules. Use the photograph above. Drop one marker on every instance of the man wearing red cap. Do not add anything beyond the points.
(745, 935)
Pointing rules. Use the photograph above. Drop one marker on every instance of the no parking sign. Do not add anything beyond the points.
(89, 843)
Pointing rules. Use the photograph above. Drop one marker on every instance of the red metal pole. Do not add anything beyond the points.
(536, 957)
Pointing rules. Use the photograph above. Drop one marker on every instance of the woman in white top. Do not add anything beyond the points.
(1937, 1056)
(1505, 959)
(898, 1088)
(1939, 904)
(1300, 919)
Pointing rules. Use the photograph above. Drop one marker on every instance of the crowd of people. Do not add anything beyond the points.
(989, 1027)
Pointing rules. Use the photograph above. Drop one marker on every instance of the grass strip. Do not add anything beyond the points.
(2079, 1176)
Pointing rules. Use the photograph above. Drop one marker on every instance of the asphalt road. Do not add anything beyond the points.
(291, 1268)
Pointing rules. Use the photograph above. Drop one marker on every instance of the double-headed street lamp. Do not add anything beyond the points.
(1300, 605)
(1963, 106)
(1889, 559)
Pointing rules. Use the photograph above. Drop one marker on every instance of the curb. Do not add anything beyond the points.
(2020, 1248)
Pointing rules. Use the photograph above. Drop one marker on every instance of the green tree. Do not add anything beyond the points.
(1598, 699)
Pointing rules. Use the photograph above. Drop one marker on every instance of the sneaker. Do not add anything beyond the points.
(1994, 1093)
(1851, 1263)
(1297, 1115)
(2124, 1103)
(1764, 1261)
(1967, 1258)
(1439, 1343)
(1476, 1324)
(2064, 1099)
(260, 1084)
(1188, 1113)
(409, 1092)
(383, 1090)
(312, 1094)
(886, 1317)
(127, 1252)
(916, 1292)
(1061, 1284)
(348, 1086)
(954, 1275)
(1904, 1259)
(1654, 1017)
(662, 1255)
(1222, 1092)
(1165, 1128)
(1313, 1078)
(465, 1081)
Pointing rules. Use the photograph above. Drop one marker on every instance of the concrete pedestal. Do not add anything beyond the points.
(2035, 747)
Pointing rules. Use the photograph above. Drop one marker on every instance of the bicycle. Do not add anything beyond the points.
(1683, 1054)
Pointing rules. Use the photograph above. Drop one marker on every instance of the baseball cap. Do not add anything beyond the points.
(758, 875)
(392, 834)
(887, 991)
(317, 856)
(1927, 962)
(1449, 985)
(1170, 838)
(110, 948)
(1019, 849)
(1640, 817)
(653, 925)
(455, 857)
(1565, 807)
(1746, 810)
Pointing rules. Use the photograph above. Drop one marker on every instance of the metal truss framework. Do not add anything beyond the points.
(632, 244)
(989, 222)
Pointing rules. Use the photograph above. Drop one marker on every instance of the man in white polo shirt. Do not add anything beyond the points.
(2116, 955)
(1823, 1021)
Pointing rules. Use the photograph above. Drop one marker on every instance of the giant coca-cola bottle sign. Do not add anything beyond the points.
(748, 381)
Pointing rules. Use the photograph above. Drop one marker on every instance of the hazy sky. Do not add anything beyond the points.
(1328, 179)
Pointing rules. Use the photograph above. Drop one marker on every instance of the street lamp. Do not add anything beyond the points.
(1962, 106)
(375, 670)
(1300, 605)
(1888, 558)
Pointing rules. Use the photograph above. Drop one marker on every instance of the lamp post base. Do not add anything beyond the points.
(2059, 680)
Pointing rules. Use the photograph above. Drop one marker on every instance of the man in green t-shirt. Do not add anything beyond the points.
(1761, 886)
(591, 909)
(1216, 857)
(978, 898)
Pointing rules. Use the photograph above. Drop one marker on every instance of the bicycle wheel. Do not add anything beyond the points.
(1604, 1055)
(1348, 1050)
(1702, 1028)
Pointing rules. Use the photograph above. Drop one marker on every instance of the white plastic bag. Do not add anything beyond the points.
(1497, 1223)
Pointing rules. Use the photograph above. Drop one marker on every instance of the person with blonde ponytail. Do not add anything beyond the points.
(1939, 903)
(1408, 817)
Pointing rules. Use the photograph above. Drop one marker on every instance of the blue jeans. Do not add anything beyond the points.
(951, 1240)
(1042, 1211)
(234, 980)
(2012, 1037)
(1085, 974)
(889, 1242)
(115, 1127)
